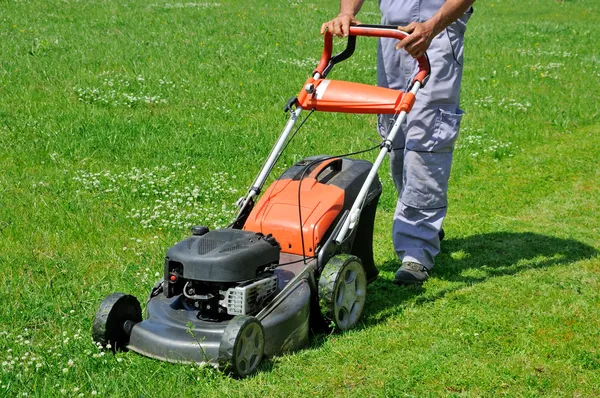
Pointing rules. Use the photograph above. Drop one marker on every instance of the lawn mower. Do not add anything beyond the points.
(299, 256)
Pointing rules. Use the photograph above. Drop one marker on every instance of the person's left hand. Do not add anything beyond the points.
(419, 39)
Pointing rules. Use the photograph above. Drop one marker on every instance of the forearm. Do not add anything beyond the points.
(448, 13)
(350, 7)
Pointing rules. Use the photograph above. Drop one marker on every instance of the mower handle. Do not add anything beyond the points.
(390, 31)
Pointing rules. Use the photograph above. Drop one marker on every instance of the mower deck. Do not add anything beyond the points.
(174, 334)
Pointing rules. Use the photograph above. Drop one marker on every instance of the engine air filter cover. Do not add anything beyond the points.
(224, 255)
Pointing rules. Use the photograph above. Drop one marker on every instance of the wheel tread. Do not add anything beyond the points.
(113, 311)
(229, 339)
(328, 281)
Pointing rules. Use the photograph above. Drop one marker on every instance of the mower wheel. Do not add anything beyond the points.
(342, 291)
(115, 318)
(242, 346)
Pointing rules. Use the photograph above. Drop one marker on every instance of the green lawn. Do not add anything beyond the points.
(122, 123)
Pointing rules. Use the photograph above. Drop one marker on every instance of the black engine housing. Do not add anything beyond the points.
(221, 256)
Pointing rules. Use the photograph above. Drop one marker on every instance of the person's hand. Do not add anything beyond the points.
(340, 25)
(419, 39)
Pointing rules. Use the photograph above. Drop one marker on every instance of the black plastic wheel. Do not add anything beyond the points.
(342, 291)
(242, 346)
(114, 319)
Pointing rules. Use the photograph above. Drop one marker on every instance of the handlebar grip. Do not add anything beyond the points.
(388, 31)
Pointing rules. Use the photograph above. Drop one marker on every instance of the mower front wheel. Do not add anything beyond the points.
(342, 291)
(242, 346)
(115, 319)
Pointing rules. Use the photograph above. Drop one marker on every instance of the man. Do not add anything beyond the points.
(422, 154)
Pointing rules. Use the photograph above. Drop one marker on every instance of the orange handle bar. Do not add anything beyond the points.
(372, 31)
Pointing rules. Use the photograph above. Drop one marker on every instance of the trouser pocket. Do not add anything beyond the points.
(426, 172)
(426, 179)
(445, 131)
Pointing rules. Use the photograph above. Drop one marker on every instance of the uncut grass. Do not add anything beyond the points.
(519, 268)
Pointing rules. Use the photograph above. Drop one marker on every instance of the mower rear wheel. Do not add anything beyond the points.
(115, 318)
(242, 346)
(342, 291)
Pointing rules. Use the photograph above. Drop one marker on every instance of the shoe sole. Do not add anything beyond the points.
(406, 283)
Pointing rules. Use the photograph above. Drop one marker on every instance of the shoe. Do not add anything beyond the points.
(411, 273)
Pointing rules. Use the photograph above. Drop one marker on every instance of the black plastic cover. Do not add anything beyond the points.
(223, 255)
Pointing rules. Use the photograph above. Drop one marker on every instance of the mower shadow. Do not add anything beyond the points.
(472, 260)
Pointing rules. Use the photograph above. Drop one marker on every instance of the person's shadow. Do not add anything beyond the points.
(467, 261)
(472, 260)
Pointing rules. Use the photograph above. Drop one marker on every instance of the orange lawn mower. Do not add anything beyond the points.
(300, 256)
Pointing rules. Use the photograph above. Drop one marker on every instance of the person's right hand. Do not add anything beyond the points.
(340, 25)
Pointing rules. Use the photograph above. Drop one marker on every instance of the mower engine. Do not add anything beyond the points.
(222, 273)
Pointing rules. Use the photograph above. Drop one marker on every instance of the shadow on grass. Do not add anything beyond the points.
(473, 260)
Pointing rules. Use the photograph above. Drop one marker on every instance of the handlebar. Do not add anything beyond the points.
(327, 61)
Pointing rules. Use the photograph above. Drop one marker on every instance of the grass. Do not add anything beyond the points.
(107, 107)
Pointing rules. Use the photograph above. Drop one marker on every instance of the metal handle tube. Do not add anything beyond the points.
(270, 162)
(260, 180)
(356, 208)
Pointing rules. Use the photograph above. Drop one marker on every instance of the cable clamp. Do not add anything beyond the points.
(387, 144)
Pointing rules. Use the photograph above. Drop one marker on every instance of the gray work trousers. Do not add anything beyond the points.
(422, 154)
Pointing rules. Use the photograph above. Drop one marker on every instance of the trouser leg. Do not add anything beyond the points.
(396, 156)
(415, 233)
(429, 134)
(391, 75)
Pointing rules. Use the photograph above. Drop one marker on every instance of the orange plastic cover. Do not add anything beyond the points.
(349, 97)
(277, 213)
